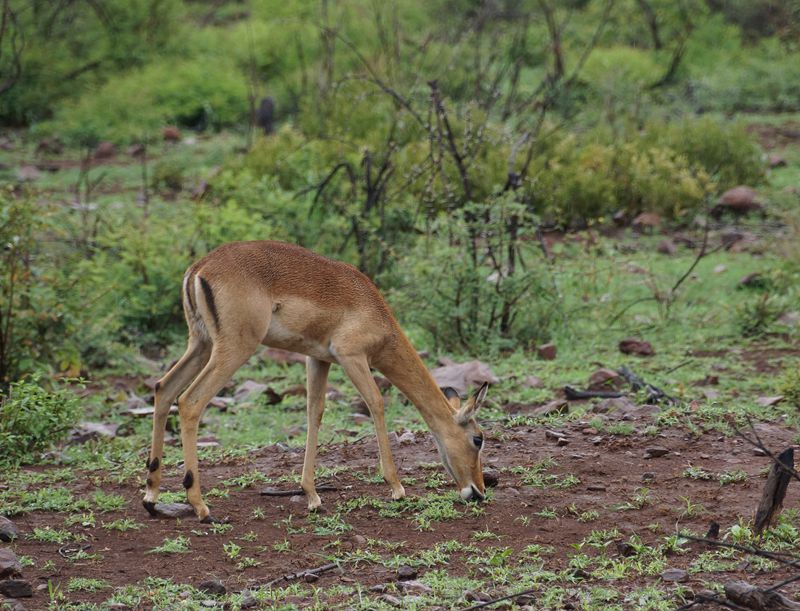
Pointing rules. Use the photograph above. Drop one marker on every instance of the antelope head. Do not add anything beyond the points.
(461, 442)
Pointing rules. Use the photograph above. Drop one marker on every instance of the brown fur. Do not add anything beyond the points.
(285, 296)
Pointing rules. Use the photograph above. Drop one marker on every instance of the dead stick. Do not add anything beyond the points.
(300, 574)
(753, 597)
(774, 491)
(296, 491)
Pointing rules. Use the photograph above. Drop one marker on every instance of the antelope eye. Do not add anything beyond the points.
(478, 441)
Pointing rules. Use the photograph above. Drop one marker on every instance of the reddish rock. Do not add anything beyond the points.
(105, 150)
(137, 150)
(547, 352)
(637, 347)
(776, 161)
(171, 134)
(667, 247)
(605, 379)
(738, 201)
(646, 221)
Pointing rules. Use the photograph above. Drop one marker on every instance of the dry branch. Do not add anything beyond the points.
(753, 597)
(774, 490)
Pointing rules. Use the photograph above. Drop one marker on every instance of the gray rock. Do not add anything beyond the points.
(9, 565)
(655, 451)
(92, 430)
(413, 586)
(406, 573)
(212, 586)
(8, 530)
(16, 588)
(674, 575)
(462, 376)
(390, 600)
(173, 510)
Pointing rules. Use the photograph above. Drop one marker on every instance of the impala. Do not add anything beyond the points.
(245, 294)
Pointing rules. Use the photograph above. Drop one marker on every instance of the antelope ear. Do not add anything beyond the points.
(452, 396)
(472, 404)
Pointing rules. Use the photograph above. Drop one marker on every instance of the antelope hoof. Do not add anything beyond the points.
(398, 493)
(150, 506)
(209, 519)
(314, 502)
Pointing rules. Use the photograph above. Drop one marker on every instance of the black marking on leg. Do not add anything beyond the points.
(149, 483)
(188, 480)
(189, 299)
(153, 465)
(158, 386)
(147, 463)
(151, 508)
(209, 294)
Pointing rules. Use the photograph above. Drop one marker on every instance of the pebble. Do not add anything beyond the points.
(9, 565)
(414, 586)
(674, 575)
(8, 530)
(390, 600)
(405, 573)
(212, 586)
(649, 476)
(596, 488)
(655, 451)
(16, 588)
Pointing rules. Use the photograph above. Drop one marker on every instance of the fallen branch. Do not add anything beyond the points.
(301, 574)
(774, 490)
(753, 597)
(654, 394)
(296, 491)
(573, 394)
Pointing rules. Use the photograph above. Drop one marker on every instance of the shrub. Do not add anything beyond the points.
(32, 418)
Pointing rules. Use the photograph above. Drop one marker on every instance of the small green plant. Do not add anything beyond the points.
(693, 472)
(789, 385)
(178, 545)
(87, 584)
(52, 535)
(232, 550)
(754, 317)
(220, 528)
(641, 497)
(732, 477)
(108, 501)
(283, 547)
(123, 525)
(258, 513)
(691, 509)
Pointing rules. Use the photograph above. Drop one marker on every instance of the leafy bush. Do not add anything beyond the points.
(32, 419)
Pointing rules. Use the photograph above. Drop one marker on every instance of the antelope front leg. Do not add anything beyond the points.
(358, 371)
(317, 374)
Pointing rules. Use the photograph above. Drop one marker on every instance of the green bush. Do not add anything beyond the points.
(32, 419)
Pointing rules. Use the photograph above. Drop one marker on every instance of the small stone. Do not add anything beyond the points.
(776, 161)
(738, 201)
(491, 477)
(596, 440)
(674, 575)
(648, 476)
(379, 588)
(759, 452)
(8, 530)
(605, 379)
(171, 133)
(636, 347)
(547, 352)
(359, 540)
(212, 586)
(667, 247)
(533, 382)
(589, 431)
(562, 442)
(718, 269)
(646, 220)
(596, 488)
(390, 600)
(16, 588)
(789, 319)
(414, 586)
(655, 451)
(173, 510)
(553, 435)
(625, 549)
(28, 173)
(476, 597)
(248, 602)
(406, 438)
(557, 406)
(310, 577)
(406, 573)
(769, 401)
(9, 565)
(105, 150)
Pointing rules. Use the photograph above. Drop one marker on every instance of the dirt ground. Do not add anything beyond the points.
(610, 470)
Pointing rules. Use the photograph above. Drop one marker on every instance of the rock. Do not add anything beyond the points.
(674, 575)
(310, 577)
(596, 488)
(8, 530)
(553, 435)
(655, 451)
(414, 587)
(284, 357)
(558, 406)
(759, 452)
(16, 588)
(140, 412)
(769, 401)
(562, 442)
(776, 161)
(212, 586)
(636, 347)
(718, 269)
(648, 476)
(738, 201)
(753, 280)
(379, 588)
(605, 379)
(105, 150)
(789, 319)
(406, 573)
(613, 404)
(172, 510)
(491, 477)
(250, 390)
(476, 597)
(171, 133)
(92, 430)
(248, 602)
(390, 600)
(711, 394)
(646, 221)
(28, 173)
(49, 146)
(667, 247)
(625, 549)
(9, 565)
(462, 376)
(407, 438)
(532, 382)
(547, 352)
(137, 150)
